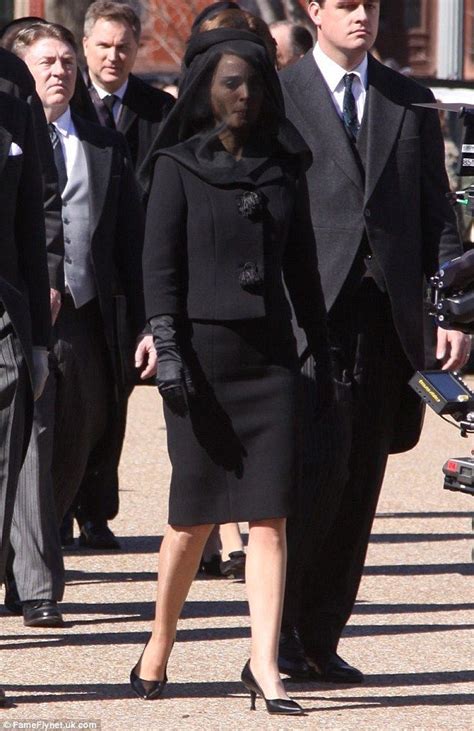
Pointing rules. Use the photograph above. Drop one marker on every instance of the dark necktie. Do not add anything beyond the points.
(109, 102)
(349, 108)
(58, 156)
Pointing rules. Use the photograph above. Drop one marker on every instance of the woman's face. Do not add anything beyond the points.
(236, 93)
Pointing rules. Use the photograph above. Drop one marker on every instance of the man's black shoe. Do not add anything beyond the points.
(331, 668)
(95, 535)
(3, 700)
(12, 600)
(42, 613)
(291, 656)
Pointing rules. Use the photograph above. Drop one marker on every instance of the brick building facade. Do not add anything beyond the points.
(412, 32)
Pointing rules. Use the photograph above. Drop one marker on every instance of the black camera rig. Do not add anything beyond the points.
(448, 395)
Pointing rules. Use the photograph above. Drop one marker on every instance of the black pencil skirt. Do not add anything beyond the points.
(233, 454)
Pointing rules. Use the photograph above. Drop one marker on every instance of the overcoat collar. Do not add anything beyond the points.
(384, 119)
(5, 143)
(128, 114)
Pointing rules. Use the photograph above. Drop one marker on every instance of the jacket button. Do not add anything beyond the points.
(367, 213)
(68, 259)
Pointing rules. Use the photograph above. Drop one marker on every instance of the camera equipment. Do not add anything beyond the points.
(447, 394)
(451, 294)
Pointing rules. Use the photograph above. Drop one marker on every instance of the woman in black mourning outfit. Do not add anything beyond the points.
(227, 215)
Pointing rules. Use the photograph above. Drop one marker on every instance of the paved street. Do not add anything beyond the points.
(411, 632)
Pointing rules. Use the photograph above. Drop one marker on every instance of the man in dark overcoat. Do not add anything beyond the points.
(382, 223)
(25, 320)
(122, 101)
(101, 310)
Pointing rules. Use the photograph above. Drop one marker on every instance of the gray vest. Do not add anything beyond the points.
(78, 271)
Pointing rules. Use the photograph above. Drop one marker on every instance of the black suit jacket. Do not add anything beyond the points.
(197, 245)
(24, 288)
(15, 79)
(143, 110)
(116, 226)
(400, 202)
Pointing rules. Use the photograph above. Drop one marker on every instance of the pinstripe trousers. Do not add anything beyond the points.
(71, 418)
(37, 559)
(14, 390)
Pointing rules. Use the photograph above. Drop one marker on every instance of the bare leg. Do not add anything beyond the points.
(230, 538)
(180, 554)
(265, 578)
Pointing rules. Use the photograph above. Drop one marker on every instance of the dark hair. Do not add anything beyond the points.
(301, 39)
(10, 31)
(243, 20)
(37, 31)
(115, 11)
(210, 11)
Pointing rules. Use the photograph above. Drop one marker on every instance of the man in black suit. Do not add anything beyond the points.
(121, 101)
(382, 222)
(24, 299)
(103, 229)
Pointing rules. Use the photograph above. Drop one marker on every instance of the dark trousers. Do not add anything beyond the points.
(343, 456)
(98, 496)
(15, 395)
(81, 396)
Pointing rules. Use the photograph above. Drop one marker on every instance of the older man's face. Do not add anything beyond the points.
(110, 51)
(53, 65)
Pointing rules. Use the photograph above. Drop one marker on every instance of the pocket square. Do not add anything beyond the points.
(14, 150)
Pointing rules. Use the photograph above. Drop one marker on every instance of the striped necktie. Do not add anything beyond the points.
(58, 156)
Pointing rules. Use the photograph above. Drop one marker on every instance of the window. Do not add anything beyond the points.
(412, 13)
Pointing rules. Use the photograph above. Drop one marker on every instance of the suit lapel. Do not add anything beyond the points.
(5, 142)
(384, 119)
(312, 98)
(127, 114)
(99, 162)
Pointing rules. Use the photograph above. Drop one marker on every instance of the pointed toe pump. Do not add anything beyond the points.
(280, 706)
(149, 690)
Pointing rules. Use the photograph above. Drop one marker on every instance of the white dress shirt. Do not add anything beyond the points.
(120, 93)
(333, 75)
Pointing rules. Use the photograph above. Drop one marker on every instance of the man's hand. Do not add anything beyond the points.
(145, 357)
(55, 303)
(453, 349)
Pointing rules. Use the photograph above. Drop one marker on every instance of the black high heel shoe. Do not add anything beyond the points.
(275, 705)
(149, 690)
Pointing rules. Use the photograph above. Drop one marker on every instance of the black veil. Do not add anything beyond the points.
(189, 133)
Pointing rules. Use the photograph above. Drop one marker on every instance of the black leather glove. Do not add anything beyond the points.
(173, 377)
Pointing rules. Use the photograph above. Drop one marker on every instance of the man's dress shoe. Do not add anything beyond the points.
(42, 613)
(331, 668)
(97, 535)
(3, 700)
(291, 655)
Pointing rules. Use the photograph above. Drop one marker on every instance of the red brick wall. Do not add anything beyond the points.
(165, 32)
